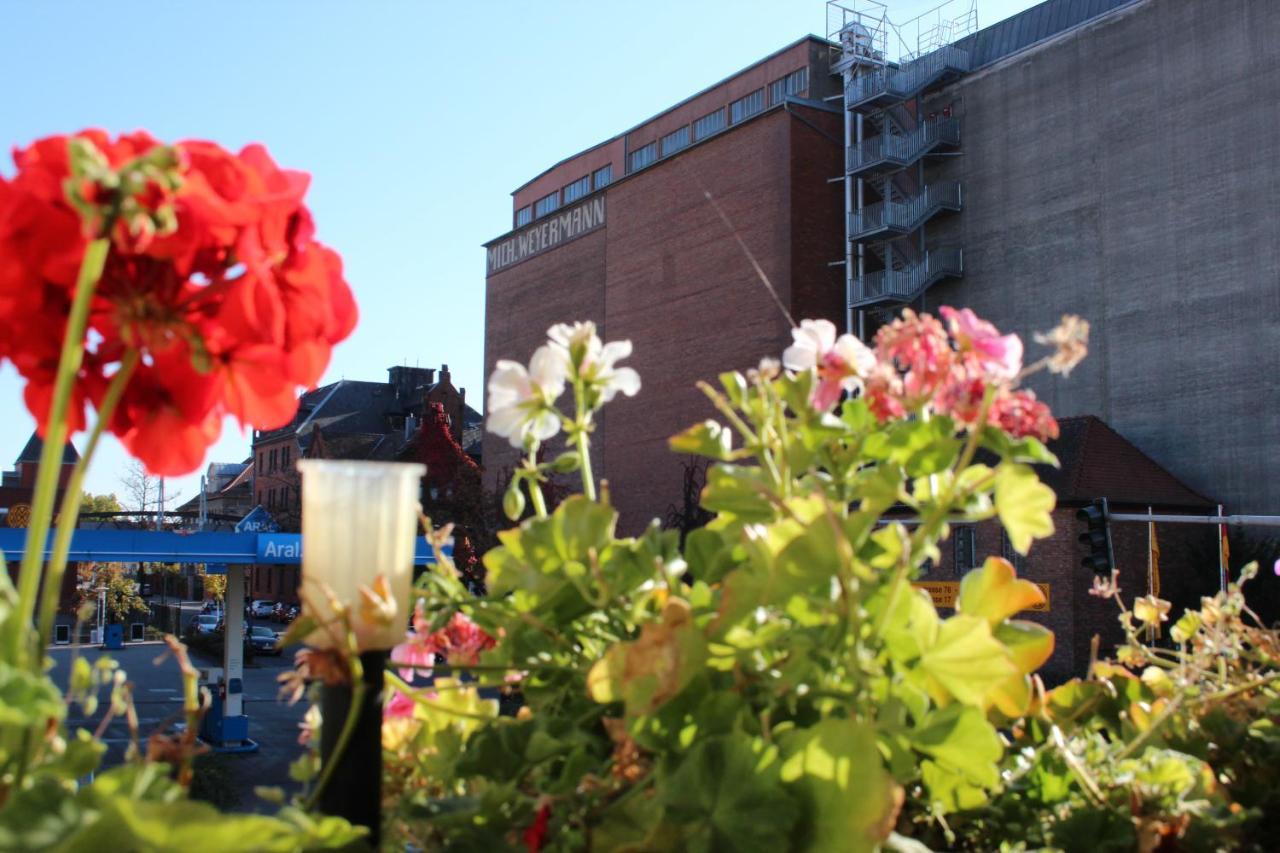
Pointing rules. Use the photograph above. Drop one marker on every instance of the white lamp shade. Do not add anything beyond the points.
(359, 521)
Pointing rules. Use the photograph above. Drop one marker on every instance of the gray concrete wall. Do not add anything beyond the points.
(1129, 171)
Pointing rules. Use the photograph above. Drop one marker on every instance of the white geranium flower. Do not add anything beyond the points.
(578, 343)
(522, 402)
(840, 362)
(580, 346)
(608, 379)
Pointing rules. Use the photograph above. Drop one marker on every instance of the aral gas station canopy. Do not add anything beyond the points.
(157, 546)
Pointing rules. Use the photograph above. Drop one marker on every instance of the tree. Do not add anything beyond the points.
(214, 585)
(100, 503)
(142, 491)
(123, 600)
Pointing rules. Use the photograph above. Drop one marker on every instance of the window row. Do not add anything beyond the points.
(278, 498)
(584, 186)
(795, 83)
(964, 551)
(277, 459)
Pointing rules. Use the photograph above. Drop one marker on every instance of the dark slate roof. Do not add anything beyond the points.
(352, 445)
(345, 406)
(1033, 25)
(226, 469)
(1098, 462)
(31, 453)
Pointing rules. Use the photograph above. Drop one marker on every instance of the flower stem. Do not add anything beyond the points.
(535, 491)
(18, 646)
(581, 440)
(69, 511)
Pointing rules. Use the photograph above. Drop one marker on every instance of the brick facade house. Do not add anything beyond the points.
(662, 267)
(1096, 462)
(349, 419)
(16, 490)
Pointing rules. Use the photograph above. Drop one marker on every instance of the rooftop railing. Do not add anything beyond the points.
(896, 84)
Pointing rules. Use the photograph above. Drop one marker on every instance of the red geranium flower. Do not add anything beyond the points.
(213, 277)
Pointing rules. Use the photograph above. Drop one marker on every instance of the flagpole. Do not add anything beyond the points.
(1151, 574)
(1222, 567)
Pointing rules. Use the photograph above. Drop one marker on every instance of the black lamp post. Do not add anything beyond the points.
(359, 526)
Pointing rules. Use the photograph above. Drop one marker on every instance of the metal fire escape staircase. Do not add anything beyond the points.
(892, 205)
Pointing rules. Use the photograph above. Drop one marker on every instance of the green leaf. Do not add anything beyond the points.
(1024, 504)
(1029, 644)
(739, 491)
(708, 438)
(994, 592)
(966, 752)
(1029, 450)
(849, 800)
(735, 387)
(707, 554)
(966, 661)
(726, 795)
(27, 699)
(646, 673)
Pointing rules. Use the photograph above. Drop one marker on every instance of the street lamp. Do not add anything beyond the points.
(359, 523)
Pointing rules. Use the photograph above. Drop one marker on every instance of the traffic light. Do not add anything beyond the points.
(1097, 538)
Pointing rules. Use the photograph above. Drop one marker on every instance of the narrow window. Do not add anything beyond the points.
(1007, 551)
(524, 216)
(545, 205)
(965, 550)
(673, 142)
(793, 84)
(577, 189)
(709, 124)
(642, 157)
(603, 177)
(744, 108)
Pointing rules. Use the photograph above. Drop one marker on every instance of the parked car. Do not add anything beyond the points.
(261, 609)
(264, 640)
(206, 623)
(284, 612)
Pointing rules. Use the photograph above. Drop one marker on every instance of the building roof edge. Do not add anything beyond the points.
(676, 105)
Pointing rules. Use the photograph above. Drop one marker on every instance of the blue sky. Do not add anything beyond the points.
(415, 119)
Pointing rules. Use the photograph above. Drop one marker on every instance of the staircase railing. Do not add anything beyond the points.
(903, 149)
(901, 286)
(905, 216)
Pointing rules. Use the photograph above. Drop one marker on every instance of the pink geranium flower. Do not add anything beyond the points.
(399, 706)
(418, 653)
(1001, 355)
(841, 363)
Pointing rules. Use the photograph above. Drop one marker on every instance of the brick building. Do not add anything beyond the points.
(622, 234)
(349, 419)
(1110, 158)
(16, 490)
(1096, 460)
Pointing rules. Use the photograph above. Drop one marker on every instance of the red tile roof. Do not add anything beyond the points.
(1098, 462)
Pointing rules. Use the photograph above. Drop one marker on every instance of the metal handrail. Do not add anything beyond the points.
(905, 81)
(905, 148)
(905, 215)
(905, 284)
